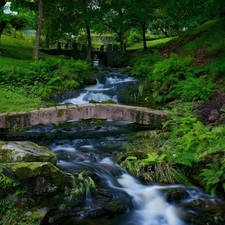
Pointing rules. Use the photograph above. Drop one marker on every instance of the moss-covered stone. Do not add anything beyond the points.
(61, 112)
(38, 177)
(38, 214)
(25, 151)
(109, 101)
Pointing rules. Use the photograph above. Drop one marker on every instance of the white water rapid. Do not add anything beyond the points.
(150, 205)
(108, 86)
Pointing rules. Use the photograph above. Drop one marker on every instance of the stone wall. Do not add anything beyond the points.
(141, 115)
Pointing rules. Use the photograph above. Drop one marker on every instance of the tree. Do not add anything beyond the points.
(2, 21)
(142, 14)
(116, 16)
(39, 29)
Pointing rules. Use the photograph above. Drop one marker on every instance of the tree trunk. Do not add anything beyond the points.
(89, 50)
(2, 27)
(164, 32)
(38, 33)
(143, 35)
(122, 48)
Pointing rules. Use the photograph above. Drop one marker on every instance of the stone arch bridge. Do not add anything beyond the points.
(63, 113)
(106, 55)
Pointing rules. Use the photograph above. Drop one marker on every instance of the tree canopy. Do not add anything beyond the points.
(66, 18)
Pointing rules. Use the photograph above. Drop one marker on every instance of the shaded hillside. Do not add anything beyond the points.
(205, 43)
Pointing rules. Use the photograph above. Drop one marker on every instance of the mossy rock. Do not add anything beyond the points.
(37, 214)
(38, 178)
(25, 151)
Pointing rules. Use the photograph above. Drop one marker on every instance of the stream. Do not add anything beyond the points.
(91, 145)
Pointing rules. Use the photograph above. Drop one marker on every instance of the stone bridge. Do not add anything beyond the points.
(106, 55)
(63, 113)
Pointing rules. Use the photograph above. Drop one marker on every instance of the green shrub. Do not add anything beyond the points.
(143, 66)
(193, 89)
(45, 78)
(168, 73)
(213, 177)
(133, 37)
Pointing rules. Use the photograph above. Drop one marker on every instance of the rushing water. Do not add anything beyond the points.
(82, 145)
(85, 145)
(108, 87)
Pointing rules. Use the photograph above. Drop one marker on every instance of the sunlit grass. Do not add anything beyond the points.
(13, 101)
(15, 51)
(150, 44)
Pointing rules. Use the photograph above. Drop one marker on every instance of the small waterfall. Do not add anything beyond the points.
(108, 86)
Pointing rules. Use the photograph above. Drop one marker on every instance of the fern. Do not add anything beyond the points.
(193, 89)
(167, 74)
(213, 176)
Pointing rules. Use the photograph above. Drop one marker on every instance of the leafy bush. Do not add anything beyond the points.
(213, 177)
(45, 78)
(193, 89)
(134, 36)
(143, 66)
(168, 73)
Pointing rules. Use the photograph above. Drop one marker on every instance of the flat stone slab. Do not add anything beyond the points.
(64, 113)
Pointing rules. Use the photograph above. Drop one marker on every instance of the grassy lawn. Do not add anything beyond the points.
(150, 44)
(13, 101)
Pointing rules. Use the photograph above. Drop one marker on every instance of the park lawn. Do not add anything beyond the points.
(13, 101)
(153, 43)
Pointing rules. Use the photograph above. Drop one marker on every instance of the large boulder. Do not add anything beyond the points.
(25, 151)
(38, 178)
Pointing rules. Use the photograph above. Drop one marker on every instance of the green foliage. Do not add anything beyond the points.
(8, 184)
(218, 65)
(14, 99)
(143, 66)
(45, 78)
(193, 88)
(168, 73)
(213, 176)
(133, 37)
(184, 142)
(151, 44)
(9, 214)
(190, 139)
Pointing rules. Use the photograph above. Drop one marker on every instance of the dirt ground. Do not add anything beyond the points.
(215, 102)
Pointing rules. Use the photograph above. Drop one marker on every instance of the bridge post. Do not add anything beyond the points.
(59, 45)
(74, 46)
(115, 48)
(109, 49)
(102, 48)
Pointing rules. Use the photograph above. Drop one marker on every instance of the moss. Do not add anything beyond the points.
(79, 109)
(61, 112)
(139, 117)
(17, 120)
(38, 214)
(93, 101)
(109, 101)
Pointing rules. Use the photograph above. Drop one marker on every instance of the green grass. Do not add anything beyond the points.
(13, 49)
(17, 52)
(16, 48)
(13, 101)
(150, 44)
